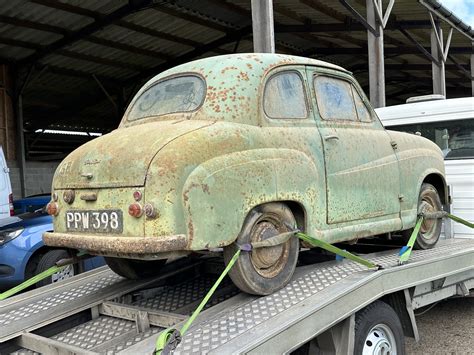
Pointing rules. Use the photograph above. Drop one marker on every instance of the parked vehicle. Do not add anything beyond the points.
(449, 124)
(31, 203)
(6, 195)
(237, 149)
(23, 253)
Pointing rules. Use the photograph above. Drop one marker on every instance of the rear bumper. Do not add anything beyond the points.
(116, 245)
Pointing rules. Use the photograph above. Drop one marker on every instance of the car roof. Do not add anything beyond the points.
(259, 63)
(429, 111)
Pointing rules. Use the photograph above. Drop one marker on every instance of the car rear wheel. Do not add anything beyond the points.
(50, 259)
(263, 271)
(430, 230)
(134, 269)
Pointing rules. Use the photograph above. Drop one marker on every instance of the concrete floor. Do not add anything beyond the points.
(448, 328)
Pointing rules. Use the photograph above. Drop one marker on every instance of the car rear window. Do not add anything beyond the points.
(178, 94)
(284, 96)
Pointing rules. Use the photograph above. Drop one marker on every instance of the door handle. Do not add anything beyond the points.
(331, 137)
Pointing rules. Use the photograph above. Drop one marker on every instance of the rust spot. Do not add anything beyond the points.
(244, 76)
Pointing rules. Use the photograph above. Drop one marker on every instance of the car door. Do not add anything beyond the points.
(362, 173)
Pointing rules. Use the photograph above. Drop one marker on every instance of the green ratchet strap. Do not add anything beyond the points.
(61, 264)
(333, 249)
(30, 282)
(169, 338)
(405, 252)
(460, 220)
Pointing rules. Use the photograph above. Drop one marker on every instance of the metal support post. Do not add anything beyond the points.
(376, 57)
(439, 80)
(21, 153)
(262, 25)
(472, 71)
(338, 339)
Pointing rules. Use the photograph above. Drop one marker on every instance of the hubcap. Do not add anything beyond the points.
(428, 226)
(380, 341)
(269, 261)
(64, 274)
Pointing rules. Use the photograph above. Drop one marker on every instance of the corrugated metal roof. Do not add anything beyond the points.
(118, 52)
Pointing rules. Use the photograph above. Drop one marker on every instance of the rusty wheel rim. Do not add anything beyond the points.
(428, 227)
(269, 261)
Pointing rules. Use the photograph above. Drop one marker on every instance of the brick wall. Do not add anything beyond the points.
(38, 176)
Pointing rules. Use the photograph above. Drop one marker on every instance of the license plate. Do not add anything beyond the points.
(103, 221)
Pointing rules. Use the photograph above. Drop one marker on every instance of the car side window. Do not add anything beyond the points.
(362, 111)
(334, 98)
(284, 96)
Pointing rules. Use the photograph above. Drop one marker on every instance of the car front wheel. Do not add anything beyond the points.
(264, 270)
(430, 230)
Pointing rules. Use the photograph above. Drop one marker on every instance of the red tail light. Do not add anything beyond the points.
(10, 201)
(135, 210)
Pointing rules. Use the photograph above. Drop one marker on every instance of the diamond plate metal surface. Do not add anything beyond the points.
(132, 340)
(211, 334)
(46, 304)
(24, 352)
(95, 332)
(224, 327)
(180, 295)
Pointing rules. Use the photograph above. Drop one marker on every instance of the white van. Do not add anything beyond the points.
(450, 124)
(6, 196)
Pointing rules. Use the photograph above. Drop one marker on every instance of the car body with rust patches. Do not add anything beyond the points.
(205, 143)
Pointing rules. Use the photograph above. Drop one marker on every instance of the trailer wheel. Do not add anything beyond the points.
(134, 269)
(50, 259)
(378, 331)
(430, 230)
(263, 271)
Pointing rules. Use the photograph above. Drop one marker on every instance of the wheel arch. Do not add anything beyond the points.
(439, 182)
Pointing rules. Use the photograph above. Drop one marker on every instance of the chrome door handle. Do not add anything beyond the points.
(327, 138)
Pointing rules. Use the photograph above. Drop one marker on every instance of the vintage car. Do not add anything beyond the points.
(234, 149)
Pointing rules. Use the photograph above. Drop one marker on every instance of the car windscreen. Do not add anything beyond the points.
(174, 95)
(455, 138)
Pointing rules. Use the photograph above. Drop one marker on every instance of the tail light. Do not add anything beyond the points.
(52, 208)
(10, 202)
(135, 210)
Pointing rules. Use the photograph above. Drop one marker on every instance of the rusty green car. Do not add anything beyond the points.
(235, 149)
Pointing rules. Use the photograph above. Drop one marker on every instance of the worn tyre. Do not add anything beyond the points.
(265, 270)
(134, 269)
(428, 201)
(378, 331)
(50, 259)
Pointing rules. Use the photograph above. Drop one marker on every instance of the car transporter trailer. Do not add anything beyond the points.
(328, 307)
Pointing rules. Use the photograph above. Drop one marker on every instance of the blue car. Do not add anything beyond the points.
(23, 253)
(31, 203)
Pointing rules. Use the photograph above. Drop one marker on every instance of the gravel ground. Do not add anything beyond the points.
(448, 328)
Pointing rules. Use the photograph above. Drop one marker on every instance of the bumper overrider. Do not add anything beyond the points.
(113, 245)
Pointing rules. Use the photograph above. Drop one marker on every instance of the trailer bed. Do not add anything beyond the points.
(100, 312)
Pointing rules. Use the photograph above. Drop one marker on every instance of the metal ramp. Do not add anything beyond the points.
(126, 316)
